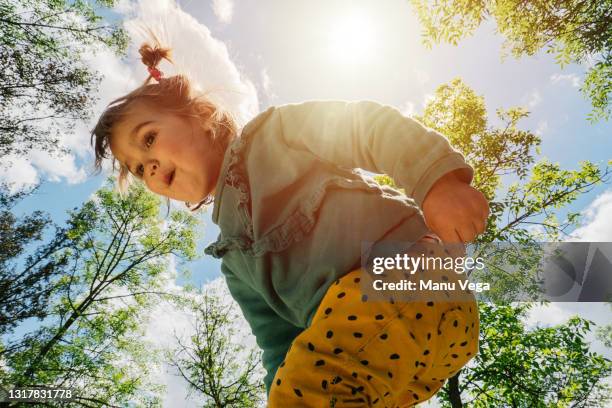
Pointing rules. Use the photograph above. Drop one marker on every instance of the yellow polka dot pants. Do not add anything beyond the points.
(363, 353)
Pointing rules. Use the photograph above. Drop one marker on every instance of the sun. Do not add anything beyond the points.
(352, 39)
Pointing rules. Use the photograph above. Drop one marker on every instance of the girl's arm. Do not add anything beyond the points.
(272, 333)
(378, 138)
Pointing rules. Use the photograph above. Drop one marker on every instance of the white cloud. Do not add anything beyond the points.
(18, 173)
(224, 10)
(597, 224)
(407, 108)
(572, 79)
(541, 128)
(266, 84)
(532, 99)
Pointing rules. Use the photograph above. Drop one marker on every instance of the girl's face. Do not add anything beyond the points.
(172, 154)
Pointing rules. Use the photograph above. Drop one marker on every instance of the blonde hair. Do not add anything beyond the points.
(173, 94)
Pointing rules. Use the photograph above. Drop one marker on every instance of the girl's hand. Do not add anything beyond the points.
(454, 210)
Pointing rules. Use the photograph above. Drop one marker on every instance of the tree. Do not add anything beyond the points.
(573, 30)
(541, 189)
(213, 362)
(542, 367)
(45, 85)
(25, 287)
(114, 272)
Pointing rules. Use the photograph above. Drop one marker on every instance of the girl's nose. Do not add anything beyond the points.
(152, 167)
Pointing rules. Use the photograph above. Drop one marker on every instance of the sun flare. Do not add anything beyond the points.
(351, 39)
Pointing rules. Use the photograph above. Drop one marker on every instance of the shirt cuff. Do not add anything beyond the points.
(444, 165)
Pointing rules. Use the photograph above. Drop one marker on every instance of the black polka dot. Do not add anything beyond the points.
(369, 377)
(354, 374)
(384, 336)
(422, 364)
(412, 335)
(337, 350)
(352, 317)
(324, 384)
(394, 356)
(452, 345)
(439, 332)
(375, 401)
(337, 380)
(320, 363)
(390, 374)
(311, 346)
(358, 334)
(357, 280)
(379, 317)
(328, 310)
(455, 323)
(469, 354)
(454, 355)
(426, 352)
(463, 344)
(416, 363)
(387, 393)
(364, 298)
(329, 334)
(416, 377)
(278, 382)
(430, 303)
(341, 295)
(364, 362)
(428, 336)
(427, 388)
(297, 392)
(415, 396)
(419, 315)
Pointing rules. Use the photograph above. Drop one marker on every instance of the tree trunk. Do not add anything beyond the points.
(454, 395)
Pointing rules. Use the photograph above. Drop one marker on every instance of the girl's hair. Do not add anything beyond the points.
(174, 95)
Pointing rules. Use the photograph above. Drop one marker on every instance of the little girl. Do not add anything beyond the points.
(293, 214)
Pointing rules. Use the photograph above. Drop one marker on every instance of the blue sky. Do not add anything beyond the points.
(275, 52)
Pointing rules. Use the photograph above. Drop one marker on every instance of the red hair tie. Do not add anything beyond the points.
(155, 73)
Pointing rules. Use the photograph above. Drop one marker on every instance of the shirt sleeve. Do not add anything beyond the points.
(273, 334)
(374, 137)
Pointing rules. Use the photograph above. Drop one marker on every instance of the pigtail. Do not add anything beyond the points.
(151, 56)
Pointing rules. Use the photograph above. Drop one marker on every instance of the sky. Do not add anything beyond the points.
(253, 54)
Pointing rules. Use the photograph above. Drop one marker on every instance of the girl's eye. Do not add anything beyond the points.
(150, 138)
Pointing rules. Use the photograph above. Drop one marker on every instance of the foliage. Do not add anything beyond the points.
(213, 362)
(91, 339)
(541, 367)
(573, 30)
(45, 85)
